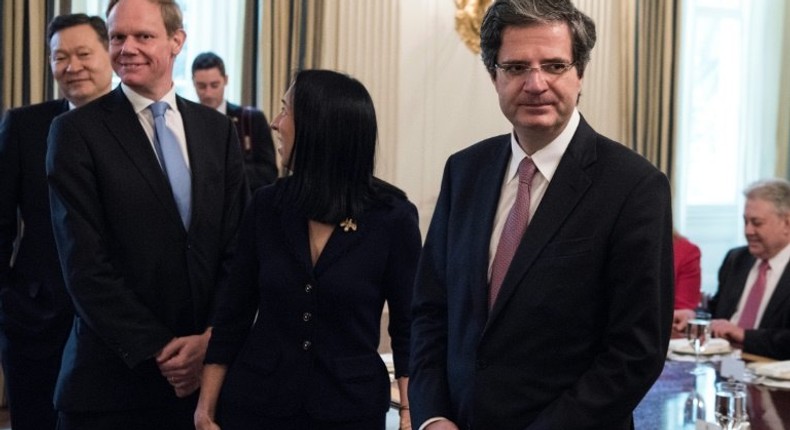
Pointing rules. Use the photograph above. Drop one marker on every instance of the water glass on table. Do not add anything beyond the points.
(698, 333)
(730, 405)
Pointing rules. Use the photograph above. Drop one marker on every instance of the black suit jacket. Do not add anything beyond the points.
(313, 346)
(35, 310)
(772, 337)
(136, 275)
(581, 326)
(255, 137)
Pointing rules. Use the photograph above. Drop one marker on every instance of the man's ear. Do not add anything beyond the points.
(178, 38)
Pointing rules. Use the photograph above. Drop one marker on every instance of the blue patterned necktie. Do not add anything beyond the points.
(172, 161)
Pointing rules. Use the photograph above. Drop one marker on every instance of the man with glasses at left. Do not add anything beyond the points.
(35, 310)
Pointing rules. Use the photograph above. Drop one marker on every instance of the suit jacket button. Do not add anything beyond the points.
(308, 288)
(307, 316)
(481, 365)
(306, 345)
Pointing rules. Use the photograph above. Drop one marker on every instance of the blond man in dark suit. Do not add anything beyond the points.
(147, 191)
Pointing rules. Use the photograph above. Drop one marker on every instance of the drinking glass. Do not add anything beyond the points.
(697, 333)
(693, 410)
(730, 405)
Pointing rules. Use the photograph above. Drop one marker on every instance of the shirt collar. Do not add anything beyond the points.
(547, 158)
(141, 103)
(780, 260)
(223, 107)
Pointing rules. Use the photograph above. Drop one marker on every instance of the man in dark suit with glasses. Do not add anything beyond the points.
(544, 294)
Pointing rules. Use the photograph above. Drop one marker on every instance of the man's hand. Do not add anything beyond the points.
(181, 362)
(680, 318)
(727, 330)
(442, 425)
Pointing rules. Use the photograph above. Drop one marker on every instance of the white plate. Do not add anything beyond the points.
(779, 370)
(715, 346)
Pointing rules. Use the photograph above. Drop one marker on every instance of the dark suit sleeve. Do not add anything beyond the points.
(94, 279)
(399, 276)
(429, 394)
(638, 279)
(237, 195)
(768, 342)
(9, 192)
(237, 300)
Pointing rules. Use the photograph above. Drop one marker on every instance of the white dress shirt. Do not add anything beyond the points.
(173, 117)
(546, 160)
(223, 107)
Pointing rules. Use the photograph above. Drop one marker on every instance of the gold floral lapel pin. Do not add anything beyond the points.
(348, 224)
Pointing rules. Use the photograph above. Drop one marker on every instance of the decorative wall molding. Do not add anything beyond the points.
(468, 18)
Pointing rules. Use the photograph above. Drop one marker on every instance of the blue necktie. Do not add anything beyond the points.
(172, 161)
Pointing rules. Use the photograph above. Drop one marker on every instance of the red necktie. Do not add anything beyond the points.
(752, 305)
(514, 228)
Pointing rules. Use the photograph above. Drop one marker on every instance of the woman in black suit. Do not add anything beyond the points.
(295, 342)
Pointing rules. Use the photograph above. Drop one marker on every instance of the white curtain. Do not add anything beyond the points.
(607, 88)
(783, 93)
(360, 37)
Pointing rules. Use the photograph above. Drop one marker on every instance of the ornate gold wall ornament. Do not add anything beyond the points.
(468, 17)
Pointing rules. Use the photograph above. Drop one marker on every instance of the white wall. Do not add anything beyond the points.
(446, 100)
(434, 97)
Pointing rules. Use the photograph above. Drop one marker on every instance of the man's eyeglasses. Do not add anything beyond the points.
(550, 70)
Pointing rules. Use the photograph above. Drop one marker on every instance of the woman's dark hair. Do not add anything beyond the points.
(334, 147)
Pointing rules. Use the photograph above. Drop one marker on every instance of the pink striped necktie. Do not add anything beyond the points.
(752, 305)
(515, 225)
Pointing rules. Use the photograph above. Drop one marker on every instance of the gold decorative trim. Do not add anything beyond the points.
(468, 18)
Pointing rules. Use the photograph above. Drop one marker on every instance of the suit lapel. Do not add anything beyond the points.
(341, 241)
(63, 107)
(297, 240)
(741, 275)
(233, 110)
(198, 156)
(486, 196)
(778, 301)
(296, 237)
(567, 187)
(122, 123)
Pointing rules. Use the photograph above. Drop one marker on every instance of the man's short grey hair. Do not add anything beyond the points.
(776, 191)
